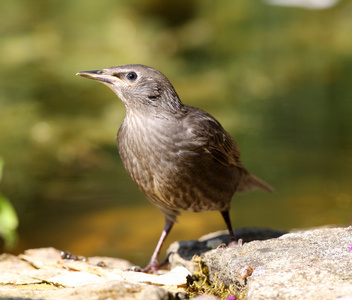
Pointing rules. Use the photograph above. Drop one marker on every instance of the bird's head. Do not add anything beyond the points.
(138, 87)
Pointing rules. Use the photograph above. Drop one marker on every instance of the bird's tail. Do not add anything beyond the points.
(250, 182)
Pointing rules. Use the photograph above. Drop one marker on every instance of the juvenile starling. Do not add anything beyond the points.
(179, 156)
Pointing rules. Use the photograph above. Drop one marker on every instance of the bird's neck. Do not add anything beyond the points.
(156, 111)
(139, 132)
(146, 120)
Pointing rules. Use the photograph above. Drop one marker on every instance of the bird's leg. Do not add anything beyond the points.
(225, 214)
(153, 264)
(233, 241)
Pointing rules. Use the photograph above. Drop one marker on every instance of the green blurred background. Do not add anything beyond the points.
(277, 78)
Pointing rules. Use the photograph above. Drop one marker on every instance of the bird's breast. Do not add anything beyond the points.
(170, 169)
(149, 151)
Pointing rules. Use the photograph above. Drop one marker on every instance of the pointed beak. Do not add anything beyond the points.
(99, 75)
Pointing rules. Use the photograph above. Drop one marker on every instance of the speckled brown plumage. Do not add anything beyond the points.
(179, 156)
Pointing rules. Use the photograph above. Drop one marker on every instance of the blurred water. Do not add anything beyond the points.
(278, 79)
(121, 223)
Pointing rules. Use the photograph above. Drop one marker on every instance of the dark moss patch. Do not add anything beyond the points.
(201, 284)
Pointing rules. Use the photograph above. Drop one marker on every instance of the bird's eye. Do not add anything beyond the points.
(131, 76)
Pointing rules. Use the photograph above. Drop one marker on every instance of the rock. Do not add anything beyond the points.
(42, 273)
(314, 264)
(180, 253)
(107, 290)
(177, 276)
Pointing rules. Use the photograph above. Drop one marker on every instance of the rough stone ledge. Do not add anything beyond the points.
(312, 264)
(42, 274)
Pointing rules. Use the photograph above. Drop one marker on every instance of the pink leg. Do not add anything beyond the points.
(153, 264)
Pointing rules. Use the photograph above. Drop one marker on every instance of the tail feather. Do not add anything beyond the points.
(250, 182)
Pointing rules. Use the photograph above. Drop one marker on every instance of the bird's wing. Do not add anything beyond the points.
(211, 137)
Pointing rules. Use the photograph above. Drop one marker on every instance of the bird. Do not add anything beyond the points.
(179, 156)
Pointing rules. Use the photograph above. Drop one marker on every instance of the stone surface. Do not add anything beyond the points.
(107, 290)
(180, 253)
(43, 274)
(312, 264)
(315, 264)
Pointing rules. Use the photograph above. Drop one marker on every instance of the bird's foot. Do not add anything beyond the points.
(152, 267)
(239, 242)
(232, 243)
